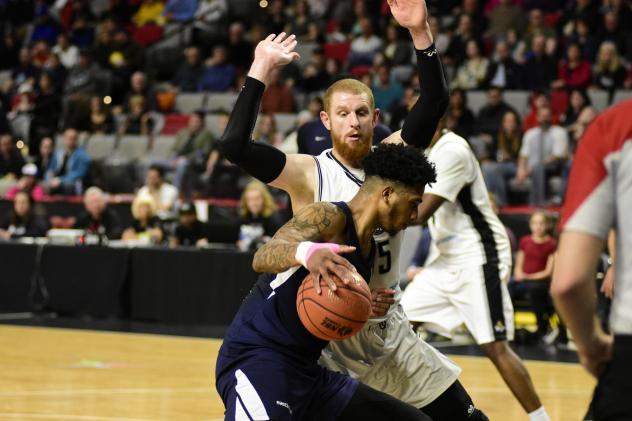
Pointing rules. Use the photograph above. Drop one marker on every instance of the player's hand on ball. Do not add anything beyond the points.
(277, 50)
(381, 301)
(411, 14)
(324, 264)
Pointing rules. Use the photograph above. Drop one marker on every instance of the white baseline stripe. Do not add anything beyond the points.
(104, 391)
(22, 415)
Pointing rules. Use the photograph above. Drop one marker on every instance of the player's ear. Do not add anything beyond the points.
(376, 116)
(324, 117)
(387, 193)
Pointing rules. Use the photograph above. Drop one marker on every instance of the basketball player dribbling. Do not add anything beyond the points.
(267, 367)
(386, 355)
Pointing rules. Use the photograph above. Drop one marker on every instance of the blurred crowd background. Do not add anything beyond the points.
(121, 101)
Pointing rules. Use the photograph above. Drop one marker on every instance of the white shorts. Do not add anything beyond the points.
(445, 297)
(390, 357)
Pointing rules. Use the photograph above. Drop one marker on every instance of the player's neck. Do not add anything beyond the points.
(365, 219)
(356, 165)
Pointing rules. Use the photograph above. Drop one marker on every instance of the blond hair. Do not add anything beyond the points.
(352, 86)
(269, 207)
(611, 66)
(143, 199)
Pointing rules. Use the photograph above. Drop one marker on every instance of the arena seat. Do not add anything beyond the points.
(599, 99)
(100, 146)
(186, 103)
(285, 122)
(160, 148)
(174, 123)
(622, 95)
(221, 101)
(130, 148)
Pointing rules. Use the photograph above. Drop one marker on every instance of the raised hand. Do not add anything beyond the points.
(274, 51)
(411, 14)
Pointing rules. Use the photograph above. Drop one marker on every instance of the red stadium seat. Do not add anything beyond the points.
(174, 123)
(359, 71)
(339, 50)
(147, 34)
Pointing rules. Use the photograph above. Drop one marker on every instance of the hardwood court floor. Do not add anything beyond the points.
(65, 375)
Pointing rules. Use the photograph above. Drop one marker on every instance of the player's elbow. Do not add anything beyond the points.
(230, 147)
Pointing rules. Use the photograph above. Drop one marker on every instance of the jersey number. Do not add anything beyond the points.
(384, 253)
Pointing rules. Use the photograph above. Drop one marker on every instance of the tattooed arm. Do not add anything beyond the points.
(318, 222)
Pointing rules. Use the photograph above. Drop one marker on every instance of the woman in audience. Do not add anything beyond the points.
(534, 267)
(22, 221)
(577, 101)
(146, 226)
(266, 131)
(460, 118)
(503, 163)
(609, 71)
(101, 119)
(574, 72)
(259, 220)
(471, 74)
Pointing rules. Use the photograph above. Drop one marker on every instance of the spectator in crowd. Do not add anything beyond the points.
(27, 183)
(46, 112)
(57, 72)
(40, 51)
(97, 218)
(505, 16)
(538, 100)
(397, 50)
(146, 226)
(441, 39)
(275, 20)
(150, 11)
(138, 86)
(365, 45)
(208, 25)
(613, 32)
(138, 119)
(503, 71)
(68, 54)
(582, 36)
(502, 164)
(25, 70)
(266, 131)
(180, 11)
(258, 217)
(542, 155)
(456, 52)
(11, 160)
(315, 77)
(300, 20)
(472, 73)
(22, 221)
(45, 156)
(578, 99)
(103, 46)
(537, 26)
(101, 119)
(460, 118)
(609, 71)
(574, 72)
(278, 97)
(540, 68)
(125, 58)
(239, 48)
(190, 151)
(81, 85)
(491, 114)
(9, 51)
(69, 167)
(218, 75)
(290, 144)
(163, 194)
(189, 231)
(386, 89)
(189, 73)
(45, 28)
(534, 267)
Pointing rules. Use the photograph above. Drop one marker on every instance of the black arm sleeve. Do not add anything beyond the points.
(421, 122)
(262, 161)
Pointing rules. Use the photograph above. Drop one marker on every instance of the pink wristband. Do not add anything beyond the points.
(306, 248)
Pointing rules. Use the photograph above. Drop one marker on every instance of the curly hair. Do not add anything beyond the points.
(400, 163)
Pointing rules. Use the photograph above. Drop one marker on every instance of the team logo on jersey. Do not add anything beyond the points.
(284, 405)
(499, 327)
(470, 410)
(319, 138)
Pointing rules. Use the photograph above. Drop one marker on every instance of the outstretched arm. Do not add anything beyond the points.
(421, 123)
(260, 160)
(292, 245)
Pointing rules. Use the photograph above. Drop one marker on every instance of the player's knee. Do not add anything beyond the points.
(495, 350)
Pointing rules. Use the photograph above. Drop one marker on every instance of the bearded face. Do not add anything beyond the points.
(351, 120)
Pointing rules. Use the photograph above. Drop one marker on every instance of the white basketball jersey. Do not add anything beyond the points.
(334, 183)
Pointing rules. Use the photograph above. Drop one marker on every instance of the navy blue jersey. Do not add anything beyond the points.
(267, 344)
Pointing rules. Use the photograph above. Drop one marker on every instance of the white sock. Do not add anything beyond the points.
(539, 415)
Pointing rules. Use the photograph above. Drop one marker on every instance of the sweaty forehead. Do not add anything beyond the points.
(349, 100)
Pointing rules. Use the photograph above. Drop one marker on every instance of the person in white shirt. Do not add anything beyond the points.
(543, 153)
(365, 46)
(465, 275)
(68, 54)
(164, 194)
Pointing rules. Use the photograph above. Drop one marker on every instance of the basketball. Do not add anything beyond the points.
(334, 316)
